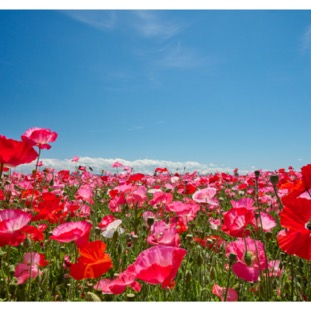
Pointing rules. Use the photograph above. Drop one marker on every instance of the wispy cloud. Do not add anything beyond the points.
(150, 24)
(306, 41)
(146, 166)
(178, 56)
(100, 19)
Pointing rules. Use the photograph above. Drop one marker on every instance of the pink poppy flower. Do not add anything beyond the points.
(237, 220)
(116, 164)
(30, 267)
(179, 208)
(75, 159)
(118, 285)
(137, 196)
(14, 153)
(163, 234)
(250, 258)
(205, 196)
(85, 193)
(274, 268)
(160, 198)
(232, 295)
(12, 223)
(78, 231)
(157, 265)
(244, 202)
(39, 137)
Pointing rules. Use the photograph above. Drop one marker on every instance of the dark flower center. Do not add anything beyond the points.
(308, 225)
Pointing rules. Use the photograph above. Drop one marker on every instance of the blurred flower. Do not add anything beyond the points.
(30, 267)
(116, 164)
(296, 218)
(118, 285)
(14, 152)
(232, 295)
(39, 137)
(12, 223)
(75, 159)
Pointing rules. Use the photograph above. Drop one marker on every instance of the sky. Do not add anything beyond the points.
(201, 89)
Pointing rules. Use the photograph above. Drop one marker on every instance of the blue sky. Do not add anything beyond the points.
(230, 88)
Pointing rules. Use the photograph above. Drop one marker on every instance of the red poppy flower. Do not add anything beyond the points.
(136, 177)
(158, 264)
(237, 220)
(296, 218)
(50, 208)
(92, 263)
(78, 231)
(39, 137)
(12, 222)
(306, 176)
(14, 152)
(213, 242)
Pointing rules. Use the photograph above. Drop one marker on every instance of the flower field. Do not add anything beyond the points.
(127, 236)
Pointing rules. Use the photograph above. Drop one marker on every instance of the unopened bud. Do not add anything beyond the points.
(130, 297)
(232, 258)
(188, 276)
(248, 258)
(199, 260)
(274, 179)
(257, 173)
(150, 221)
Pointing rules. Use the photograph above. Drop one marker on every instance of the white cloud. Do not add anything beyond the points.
(149, 24)
(178, 56)
(146, 166)
(100, 19)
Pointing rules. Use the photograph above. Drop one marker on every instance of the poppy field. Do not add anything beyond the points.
(126, 236)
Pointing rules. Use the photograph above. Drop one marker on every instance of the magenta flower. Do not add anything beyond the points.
(157, 265)
(232, 295)
(78, 231)
(163, 234)
(12, 223)
(250, 258)
(116, 164)
(30, 267)
(118, 285)
(205, 196)
(85, 193)
(39, 137)
(75, 159)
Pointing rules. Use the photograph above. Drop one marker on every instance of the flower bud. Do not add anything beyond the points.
(130, 297)
(232, 258)
(248, 258)
(150, 221)
(274, 179)
(188, 276)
